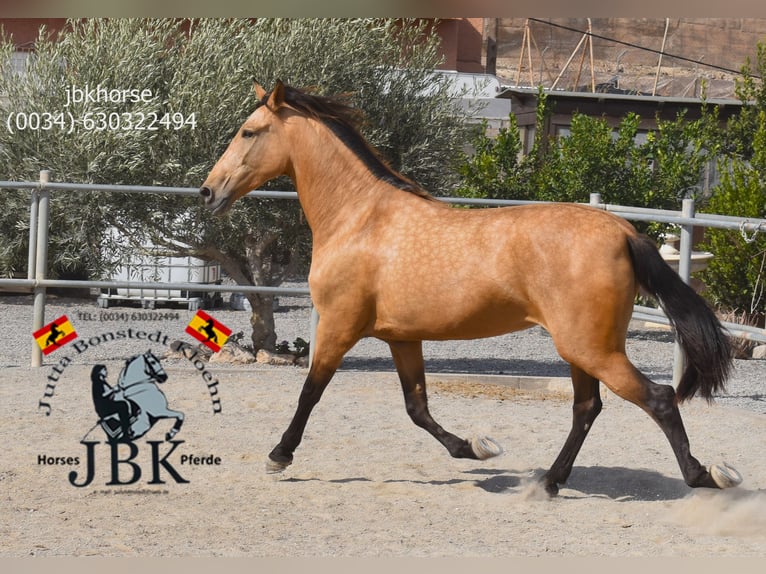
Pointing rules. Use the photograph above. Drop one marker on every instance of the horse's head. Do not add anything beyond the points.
(153, 368)
(257, 154)
(140, 369)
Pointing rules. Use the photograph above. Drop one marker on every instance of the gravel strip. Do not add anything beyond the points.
(526, 353)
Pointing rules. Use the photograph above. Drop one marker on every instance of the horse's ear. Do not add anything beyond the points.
(277, 97)
(259, 90)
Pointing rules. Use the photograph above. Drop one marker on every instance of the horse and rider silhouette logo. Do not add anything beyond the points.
(128, 410)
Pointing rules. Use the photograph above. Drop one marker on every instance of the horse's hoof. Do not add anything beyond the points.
(275, 466)
(484, 447)
(725, 476)
(551, 489)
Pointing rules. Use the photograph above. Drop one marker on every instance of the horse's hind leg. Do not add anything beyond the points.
(179, 416)
(587, 406)
(660, 403)
(408, 358)
(662, 406)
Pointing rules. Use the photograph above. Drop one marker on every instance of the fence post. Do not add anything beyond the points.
(313, 335)
(41, 263)
(595, 199)
(33, 209)
(684, 271)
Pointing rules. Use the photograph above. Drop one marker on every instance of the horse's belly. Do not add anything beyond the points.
(443, 318)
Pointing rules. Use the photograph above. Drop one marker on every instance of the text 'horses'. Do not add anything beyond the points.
(390, 262)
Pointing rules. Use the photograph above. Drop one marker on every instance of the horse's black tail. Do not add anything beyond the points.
(701, 336)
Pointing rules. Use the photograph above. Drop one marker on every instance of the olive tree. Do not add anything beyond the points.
(199, 76)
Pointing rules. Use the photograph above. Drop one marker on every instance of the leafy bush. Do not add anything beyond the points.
(496, 168)
(594, 157)
(735, 276)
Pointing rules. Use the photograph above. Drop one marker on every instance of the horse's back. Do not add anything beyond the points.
(433, 272)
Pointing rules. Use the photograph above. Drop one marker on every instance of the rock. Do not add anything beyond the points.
(233, 353)
(279, 359)
(759, 352)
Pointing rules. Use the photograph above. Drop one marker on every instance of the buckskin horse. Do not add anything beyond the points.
(390, 261)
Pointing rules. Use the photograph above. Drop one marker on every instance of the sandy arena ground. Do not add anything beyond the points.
(367, 482)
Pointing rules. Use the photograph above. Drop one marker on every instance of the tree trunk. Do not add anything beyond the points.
(262, 321)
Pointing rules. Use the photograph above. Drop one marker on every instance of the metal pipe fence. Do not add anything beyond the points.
(38, 282)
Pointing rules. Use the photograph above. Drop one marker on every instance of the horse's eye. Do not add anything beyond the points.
(247, 134)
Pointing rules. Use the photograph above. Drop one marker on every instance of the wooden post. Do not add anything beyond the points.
(490, 45)
(521, 54)
(659, 61)
(569, 61)
(590, 45)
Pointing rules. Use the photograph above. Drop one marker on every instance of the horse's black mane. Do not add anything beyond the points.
(343, 120)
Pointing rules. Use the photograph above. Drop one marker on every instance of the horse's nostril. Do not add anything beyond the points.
(206, 193)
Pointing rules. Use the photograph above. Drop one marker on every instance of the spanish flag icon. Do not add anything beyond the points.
(208, 331)
(55, 335)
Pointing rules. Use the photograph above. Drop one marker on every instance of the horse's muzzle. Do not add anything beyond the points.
(217, 206)
(207, 194)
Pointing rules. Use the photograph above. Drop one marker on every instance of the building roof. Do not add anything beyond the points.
(617, 104)
(510, 92)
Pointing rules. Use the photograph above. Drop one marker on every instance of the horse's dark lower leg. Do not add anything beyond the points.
(408, 358)
(330, 346)
(587, 406)
(660, 402)
(282, 454)
(176, 427)
(661, 406)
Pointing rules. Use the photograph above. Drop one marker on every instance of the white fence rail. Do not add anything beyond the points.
(38, 283)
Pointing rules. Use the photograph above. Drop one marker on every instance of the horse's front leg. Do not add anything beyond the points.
(408, 358)
(328, 354)
(587, 406)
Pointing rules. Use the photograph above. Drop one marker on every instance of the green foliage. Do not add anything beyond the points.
(680, 150)
(496, 169)
(594, 157)
(735, 276)
(658, 173)
(751, 91)
(300, 345)
(591, 159)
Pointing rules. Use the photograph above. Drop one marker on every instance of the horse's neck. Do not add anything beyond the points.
(133, 374)
(334, 186)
